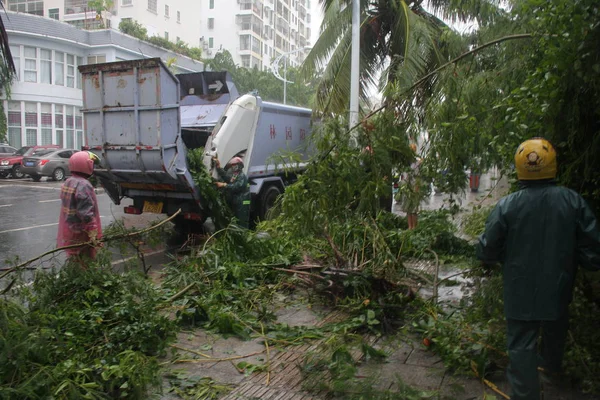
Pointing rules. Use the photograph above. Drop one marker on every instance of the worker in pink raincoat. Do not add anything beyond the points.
(79, 220)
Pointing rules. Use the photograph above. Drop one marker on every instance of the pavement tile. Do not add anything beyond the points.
(461, 388)
(424, 358)
(299, 317)
(397, 349)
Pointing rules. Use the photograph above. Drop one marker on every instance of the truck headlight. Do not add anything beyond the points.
(4, 162)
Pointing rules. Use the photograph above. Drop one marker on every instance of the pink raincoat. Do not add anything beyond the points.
(78, 215)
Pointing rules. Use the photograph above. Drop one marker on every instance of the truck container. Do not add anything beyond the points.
(140, 119)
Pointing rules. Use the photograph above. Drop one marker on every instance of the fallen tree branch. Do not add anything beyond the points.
(181, 292)
(219, 359)
(94, 243)
(190, 351)
(435, 71)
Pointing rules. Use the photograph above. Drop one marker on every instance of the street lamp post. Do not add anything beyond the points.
(275, 69)
(355, 64)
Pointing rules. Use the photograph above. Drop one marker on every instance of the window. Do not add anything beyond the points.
(245, 61)
(167, 10)
(126, 2)
(45, 66)
(27, 6)
(152, 6)
(30, 64)
(178, 17)
(246, 22)
(14, 123)
(31, 123)
(255, 45)
(31, 115)
(70, 70)
(245, 42)
(211, 4)
(211, 43)
(59, 68)
(59, 124)
(166, 35)
(46, 123)
(96, 59)
(211, 23)
(16, 53)
(54, 13)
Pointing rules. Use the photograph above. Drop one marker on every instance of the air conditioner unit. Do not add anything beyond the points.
(205, 46)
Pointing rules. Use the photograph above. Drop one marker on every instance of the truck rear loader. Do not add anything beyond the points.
(140, 119)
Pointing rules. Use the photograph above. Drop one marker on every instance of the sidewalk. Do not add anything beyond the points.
(408, 361)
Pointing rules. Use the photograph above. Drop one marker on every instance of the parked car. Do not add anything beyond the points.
(6, 150)
(48, 162)
(11, 165)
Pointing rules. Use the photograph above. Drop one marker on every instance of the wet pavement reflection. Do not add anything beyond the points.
(29, 220)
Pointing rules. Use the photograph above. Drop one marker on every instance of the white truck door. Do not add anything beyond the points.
(234, 132)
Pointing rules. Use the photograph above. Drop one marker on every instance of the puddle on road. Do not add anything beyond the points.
(450, 291)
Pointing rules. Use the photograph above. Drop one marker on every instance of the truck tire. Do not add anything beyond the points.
(186, 226)
(267, 201)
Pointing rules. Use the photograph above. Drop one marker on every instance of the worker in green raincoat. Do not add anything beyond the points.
(540, 234)
(235, 185)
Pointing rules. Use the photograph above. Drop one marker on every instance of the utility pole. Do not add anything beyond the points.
(285, 80)
(355, 64)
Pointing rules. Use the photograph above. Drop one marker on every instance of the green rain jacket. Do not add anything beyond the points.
(236, 190)
(540, 234)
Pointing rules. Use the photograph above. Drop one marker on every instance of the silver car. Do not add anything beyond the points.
(6, 150)
(52, 163)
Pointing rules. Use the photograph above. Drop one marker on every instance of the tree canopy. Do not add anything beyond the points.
(299, 93)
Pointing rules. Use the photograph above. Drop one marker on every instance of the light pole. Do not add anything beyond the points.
(355, 64)
(275, 69)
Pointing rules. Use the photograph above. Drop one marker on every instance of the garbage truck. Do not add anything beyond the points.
(141, 120)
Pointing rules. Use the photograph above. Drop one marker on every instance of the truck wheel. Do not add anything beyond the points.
(16, 172)
(267, 201)
(186, 226)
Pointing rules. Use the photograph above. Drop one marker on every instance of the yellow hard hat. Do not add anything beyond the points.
(535, 159)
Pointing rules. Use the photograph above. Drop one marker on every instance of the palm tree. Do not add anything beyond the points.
(400, 42)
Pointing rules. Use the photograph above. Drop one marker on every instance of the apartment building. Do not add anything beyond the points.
(171, 19)
(255, 32)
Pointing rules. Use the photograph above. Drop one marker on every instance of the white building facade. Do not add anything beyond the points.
(171, 19)
(255, 32)
(46, 97)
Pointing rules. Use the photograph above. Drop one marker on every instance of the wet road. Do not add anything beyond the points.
(29, 217)
(492, 187)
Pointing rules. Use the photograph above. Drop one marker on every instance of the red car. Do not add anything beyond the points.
(11, 165)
